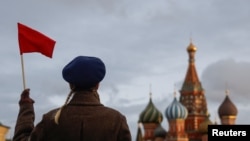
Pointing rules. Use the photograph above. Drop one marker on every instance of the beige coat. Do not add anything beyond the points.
(83, 119)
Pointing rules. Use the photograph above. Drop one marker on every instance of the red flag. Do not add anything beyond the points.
(31, 40)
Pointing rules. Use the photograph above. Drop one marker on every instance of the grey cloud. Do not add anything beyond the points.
(227, 74)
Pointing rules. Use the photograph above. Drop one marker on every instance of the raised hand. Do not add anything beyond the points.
(25, 98)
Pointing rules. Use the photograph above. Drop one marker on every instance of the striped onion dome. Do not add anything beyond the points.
(176, 110)
(151, 114)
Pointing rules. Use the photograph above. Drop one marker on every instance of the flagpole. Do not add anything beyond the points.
(24, 85)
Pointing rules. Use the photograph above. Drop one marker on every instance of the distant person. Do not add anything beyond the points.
(82, 117)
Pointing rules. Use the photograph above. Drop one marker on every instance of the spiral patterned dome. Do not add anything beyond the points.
(151, 114)
(176, 110)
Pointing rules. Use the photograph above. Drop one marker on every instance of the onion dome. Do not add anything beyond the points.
(176, 110)
(203, 127)
(191, 47)
(227, 107)
(160, 132)
(150, 114)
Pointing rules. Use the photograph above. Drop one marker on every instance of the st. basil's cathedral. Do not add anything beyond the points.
(188, 118)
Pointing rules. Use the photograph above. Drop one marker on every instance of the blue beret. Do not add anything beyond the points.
(84, 71)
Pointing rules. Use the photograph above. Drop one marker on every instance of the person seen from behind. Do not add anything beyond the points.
(82, 117)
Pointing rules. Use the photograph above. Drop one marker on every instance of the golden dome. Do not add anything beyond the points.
(191, 47)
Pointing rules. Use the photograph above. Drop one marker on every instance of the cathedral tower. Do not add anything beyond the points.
(193, 98)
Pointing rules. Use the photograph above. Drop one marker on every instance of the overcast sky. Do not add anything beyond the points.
(142, 42)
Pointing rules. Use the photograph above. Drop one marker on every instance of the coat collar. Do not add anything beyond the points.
(85, 98)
